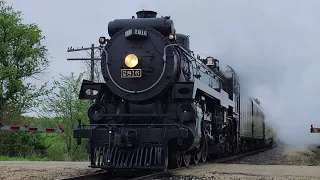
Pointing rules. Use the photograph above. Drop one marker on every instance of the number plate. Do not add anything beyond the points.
(130, 73)
(136, 32)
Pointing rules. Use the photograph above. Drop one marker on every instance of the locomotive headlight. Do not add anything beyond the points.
(131, 60)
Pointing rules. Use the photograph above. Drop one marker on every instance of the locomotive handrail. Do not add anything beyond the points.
(199, 62)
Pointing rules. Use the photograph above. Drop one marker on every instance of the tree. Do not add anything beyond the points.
(67, 108)
(22, 56)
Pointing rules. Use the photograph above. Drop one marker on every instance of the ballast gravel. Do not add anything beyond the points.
(297, 164)
(281, 155)
(280, 163)
(236, 177)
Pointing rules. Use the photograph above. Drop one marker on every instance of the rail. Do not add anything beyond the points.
(99, 175)
(219, 160)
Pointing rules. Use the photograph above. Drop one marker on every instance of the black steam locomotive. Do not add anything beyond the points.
(161, 107)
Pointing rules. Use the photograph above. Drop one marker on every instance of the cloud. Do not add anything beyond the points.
(273, 45)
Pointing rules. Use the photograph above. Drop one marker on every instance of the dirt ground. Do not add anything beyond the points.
(242, 171)
(301, 156)
(41, 170)
(299, 164)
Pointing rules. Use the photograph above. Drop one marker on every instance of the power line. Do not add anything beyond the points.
(92, 59)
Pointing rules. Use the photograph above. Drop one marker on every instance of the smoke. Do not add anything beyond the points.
(274, 48)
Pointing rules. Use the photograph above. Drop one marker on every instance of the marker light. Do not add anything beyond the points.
(131, 60)
(171, 37)
(102, 40)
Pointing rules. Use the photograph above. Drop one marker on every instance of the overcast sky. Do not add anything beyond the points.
(273, 45)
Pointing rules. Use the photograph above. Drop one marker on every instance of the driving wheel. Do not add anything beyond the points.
(166, 158)
(204, 151)
(196, 158)
(186, 159)
(178, 159)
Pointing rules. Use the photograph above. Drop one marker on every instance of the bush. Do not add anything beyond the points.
(21, 144)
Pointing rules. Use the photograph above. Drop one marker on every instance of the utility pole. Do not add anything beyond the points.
(92, 59)
(92, 64)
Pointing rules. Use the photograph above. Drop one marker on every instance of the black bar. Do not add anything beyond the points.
(135, 115)
(83, 59)
(126, 168)
(79, 138)
(82, 49)
(105, 128)
(129, 125)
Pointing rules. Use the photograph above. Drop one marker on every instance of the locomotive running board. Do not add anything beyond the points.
(103, 130)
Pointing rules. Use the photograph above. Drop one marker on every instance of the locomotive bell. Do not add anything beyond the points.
(211, 62)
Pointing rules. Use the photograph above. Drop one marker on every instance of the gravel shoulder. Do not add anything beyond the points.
(278, 163)
(14, 170)
(282, 155)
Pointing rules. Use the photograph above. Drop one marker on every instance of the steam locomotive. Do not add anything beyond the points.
(162, 107)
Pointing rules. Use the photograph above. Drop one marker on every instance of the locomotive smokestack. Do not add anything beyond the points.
(146, 14)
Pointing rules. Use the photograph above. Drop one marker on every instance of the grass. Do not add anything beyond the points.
(7, 158)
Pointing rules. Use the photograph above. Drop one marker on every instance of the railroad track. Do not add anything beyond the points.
(99, 175)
